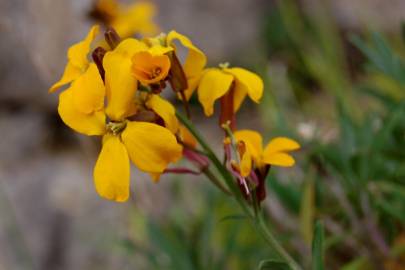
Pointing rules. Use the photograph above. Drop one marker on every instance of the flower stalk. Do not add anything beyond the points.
(255, 216)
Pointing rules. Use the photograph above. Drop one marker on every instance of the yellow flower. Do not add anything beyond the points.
(77, 60)
(250, 148)
(194, 62)
(127, 20)
(217, 82)
(149, 146)
(148, 68)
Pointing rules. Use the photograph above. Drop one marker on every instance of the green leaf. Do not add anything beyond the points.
(273, 265)
(317, 247)
(307, 211)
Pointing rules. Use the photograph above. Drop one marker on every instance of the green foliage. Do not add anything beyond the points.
(318, 247)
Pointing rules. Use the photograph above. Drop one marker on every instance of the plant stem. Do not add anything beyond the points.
(261, 226)
(256, 217)
(215, 181)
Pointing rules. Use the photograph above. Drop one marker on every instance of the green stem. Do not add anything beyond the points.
(207, 172)
(256, 217)
(260, 224)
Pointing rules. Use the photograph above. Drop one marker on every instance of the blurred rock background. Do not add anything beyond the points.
(50, 215)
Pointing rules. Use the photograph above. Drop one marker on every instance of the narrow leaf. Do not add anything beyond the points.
(317, 247)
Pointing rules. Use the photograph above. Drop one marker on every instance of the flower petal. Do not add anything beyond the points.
(187, 138)
(249, 80)
(279, 159)
(280, 144)
(88, 124)
(275, 152)
(165, 110)
(89, 91)
(213, 85)
(120, 84)
(240, 93)
(151, 147)
(253, 141)
(196, 59)
(111, 173)
(77, 54)
(70, 74)
(148, 68)
(77, 60)
(246, 160)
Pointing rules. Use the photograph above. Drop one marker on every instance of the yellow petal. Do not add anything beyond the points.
(281, 144)
(279, 159)
(213, 85)
(70, 74)
(252, 83)
(120, 84)
(77, 54)
(77, 60)
(155, 176)
(111, 173)
(137, 18)
(192, 82)
(159, 50)
(275, 152)
(186, 137)
(129, 47)
(150, 146)
(165, 110)
(88, 124)
(253, 140)
(148, 68)
(89, 91)
(246, 160)
(239, 95)
(196, 59)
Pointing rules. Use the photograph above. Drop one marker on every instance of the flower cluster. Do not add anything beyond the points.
(117, 95)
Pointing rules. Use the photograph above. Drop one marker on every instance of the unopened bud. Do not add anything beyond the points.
(98, 55)
(112, 37)
(177, 77)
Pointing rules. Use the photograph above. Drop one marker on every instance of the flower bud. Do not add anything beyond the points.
(112, 37)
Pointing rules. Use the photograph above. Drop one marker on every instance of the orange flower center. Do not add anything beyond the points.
(150, 69)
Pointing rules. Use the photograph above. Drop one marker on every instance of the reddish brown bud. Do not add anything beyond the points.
(98, 55)
(112, 37)
(177, 77)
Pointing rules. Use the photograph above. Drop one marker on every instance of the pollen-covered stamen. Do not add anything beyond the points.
(116, 127)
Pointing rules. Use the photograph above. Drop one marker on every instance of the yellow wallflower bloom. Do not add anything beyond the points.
(215, 83)
(148, 68)
(127, 20)
(149, 146)
(194, 62)
(275, 153)
(77, 60)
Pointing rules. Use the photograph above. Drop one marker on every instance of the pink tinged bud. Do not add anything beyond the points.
(202, 162)
(181, 170)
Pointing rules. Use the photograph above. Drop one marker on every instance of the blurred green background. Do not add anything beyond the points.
(335, 81)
